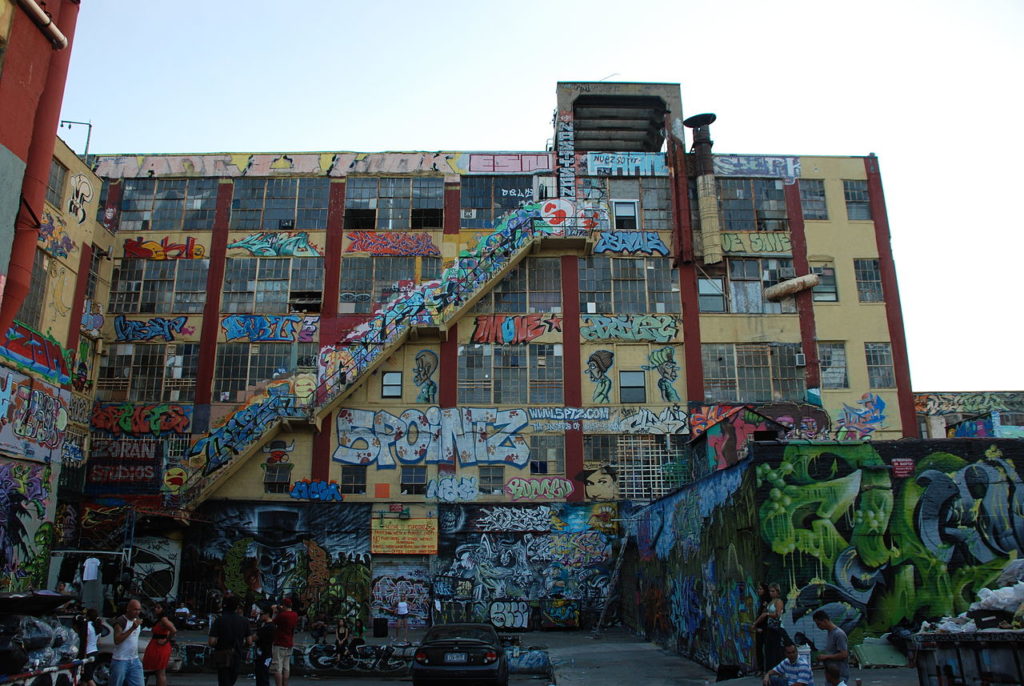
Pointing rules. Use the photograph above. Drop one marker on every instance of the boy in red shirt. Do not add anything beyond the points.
(285, 621)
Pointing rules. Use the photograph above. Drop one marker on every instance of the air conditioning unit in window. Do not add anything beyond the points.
(468, 214)
(800, 360)
(286, 224)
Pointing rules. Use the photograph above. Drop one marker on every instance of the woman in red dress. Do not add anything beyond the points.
(158, 652)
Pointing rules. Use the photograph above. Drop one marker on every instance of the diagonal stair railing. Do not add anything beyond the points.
(430, 306)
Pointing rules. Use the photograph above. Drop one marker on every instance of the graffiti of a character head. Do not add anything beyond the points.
(426, 364)
(664, 361)
(599, 363)
(600, 483)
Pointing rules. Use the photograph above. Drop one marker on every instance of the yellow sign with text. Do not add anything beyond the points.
(403, 536)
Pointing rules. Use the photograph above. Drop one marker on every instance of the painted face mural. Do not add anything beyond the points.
(597, 367)
(600, 483)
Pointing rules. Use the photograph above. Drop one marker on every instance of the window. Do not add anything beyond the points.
(486, 199)
(547, 454)
(628, 285)
(711, 294)
(632, 387)
(534, 285)
(240, 365)
(391, 385)
(277, 478)
(747, 280)
(92, 279)
(394, 203)
(753, 204)
(812, 199)
(367, 282)
(880, 371)
(168, 204)
(635, 467)
(653, 211)
(492, 480)
(148, 372)
(353, 479)
(510, 374)
(858, 204)
(826, 290)
(31, 310)
(752, 372)
(272, 285)
(832, 363)
(142, 286)
(55, 184)
(869, 281)
(414, 481)
(262, 203)
(625, 214)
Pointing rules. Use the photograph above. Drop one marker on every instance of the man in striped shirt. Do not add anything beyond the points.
(790, 672)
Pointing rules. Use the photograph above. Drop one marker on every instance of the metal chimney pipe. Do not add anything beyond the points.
(707, 189)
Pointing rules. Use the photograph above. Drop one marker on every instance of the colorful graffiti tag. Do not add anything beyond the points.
(262, 328)
(276, 244)
(130, 419)
(53, 236)
(856, 423)
(760, 242)
(631, 243)
(164, 249)
(509, 329)
(32, 351)
(382, 243)
(33, 417)
(547, 488)
(80, 197)
(473, 435)
(326, 491)
(659, 328)
(157, 328)
(626, 164)
(968, 403)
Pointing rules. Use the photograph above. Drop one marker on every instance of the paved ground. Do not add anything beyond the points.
(618, 658)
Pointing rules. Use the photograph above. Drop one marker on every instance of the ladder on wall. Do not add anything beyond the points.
(616, 571)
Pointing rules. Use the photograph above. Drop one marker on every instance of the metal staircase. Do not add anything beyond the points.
(427, 309)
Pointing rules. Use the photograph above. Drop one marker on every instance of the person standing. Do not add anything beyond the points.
(229, 636)
(285, 621)
(125, 665)
(836, 651)
(158, 652)
(265, 631)
(90, 631)
(402, 613)
(759, 627)
(771, 620)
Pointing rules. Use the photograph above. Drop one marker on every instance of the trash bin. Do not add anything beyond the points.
(984, 657)
(380, 627)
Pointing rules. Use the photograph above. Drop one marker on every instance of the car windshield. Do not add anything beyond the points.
(447, 633)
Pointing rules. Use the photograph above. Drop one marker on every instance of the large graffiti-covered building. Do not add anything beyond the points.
(451, 375)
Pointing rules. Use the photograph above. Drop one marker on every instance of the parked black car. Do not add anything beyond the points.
(460, 652)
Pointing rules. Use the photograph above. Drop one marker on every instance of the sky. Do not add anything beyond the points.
(932, 88)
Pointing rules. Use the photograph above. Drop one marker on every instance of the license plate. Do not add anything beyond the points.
(454, 657)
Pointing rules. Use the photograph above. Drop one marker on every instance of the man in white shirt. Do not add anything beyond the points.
(125, 665)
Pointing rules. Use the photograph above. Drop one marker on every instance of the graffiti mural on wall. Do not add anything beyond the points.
(80, 197)
(802, 422)
(692, 571)
(663, 361)
(565, 139)
(33, 417)
(53, 236)
(508, 163)
(760, 242)
(133, 419)
(155, 329)
(60, 292)
(631, 243)
(861, 422)
(275, 244)
(92, 318)
(261, 328)
(125, 466)
(508, 328)
(449, 488)
(164, 249)
(659, 328)
(757, 165)
(396, 582)
(547, 488)
(872, 547)
(626, 164)
(238, 430)
(25, 533)
(500, 552)
(423, 376)
(598, 364)
(968, 403)
(30, 350)
(318, 551)
(474, 435)
(394, 243)
(727, 441)
(155, 566)
(324, 491)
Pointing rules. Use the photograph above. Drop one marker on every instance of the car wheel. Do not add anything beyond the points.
(102, 674)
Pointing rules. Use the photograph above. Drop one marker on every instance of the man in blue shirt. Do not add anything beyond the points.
(790, 672)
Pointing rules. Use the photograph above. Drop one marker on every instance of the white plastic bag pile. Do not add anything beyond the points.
(1007, 599)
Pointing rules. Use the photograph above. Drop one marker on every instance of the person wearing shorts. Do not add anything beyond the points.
(285, 621)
